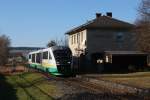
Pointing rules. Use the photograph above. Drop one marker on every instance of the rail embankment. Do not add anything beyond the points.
(131, 83)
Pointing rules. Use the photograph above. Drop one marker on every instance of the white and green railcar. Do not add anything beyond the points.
(55, 60)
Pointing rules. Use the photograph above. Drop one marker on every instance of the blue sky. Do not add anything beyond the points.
(35, 22)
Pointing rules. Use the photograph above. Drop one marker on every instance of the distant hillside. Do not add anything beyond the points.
(23, 51)
(25, 48)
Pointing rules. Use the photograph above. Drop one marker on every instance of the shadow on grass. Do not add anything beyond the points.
(34, 84)
(7, 91)
(101, 96)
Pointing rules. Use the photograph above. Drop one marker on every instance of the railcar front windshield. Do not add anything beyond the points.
(62, 56)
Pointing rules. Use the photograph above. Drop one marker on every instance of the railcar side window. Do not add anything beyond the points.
(33, 57)
(29, 56)
(50, 57)
(38, 57)
(45, 55)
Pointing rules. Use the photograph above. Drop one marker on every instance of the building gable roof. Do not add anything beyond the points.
(103, 22)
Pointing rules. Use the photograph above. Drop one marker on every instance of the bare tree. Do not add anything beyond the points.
(58, 42)
(52, 43)
(4, 49)
(63, 41)
(143, 26)
(144, 10)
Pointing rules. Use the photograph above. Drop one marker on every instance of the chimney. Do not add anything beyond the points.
(98, 15)
(109, 14)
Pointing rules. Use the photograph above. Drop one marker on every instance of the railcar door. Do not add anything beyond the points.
(29, 58)
(51, 59)
(45, 59)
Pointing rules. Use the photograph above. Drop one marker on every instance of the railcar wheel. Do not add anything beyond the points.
(35, 67)
(47, 70)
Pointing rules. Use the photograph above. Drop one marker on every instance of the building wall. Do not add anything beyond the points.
(77, 42)
(99, 40)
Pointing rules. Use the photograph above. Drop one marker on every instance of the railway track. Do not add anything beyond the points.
(90, 87)
(75, 82)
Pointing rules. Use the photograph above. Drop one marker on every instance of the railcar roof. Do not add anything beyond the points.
(53, 49)
(35, 52)
(59, 48)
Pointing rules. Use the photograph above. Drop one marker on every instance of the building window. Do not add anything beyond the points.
(81, 36)
(74, 39)
(78, 37)
(85, 43)
(148, 59)
(120, 37)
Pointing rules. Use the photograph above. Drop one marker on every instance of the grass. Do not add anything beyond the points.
(26, 86)
(139, 79)
(32, 86)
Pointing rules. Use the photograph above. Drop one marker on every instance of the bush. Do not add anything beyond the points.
(4, 49)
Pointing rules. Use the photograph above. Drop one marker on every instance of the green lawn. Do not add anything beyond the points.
(139, 79)
(26, 86)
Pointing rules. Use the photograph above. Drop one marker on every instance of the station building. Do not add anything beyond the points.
(97, 42)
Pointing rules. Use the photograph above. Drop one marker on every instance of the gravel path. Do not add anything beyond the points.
(67, 91)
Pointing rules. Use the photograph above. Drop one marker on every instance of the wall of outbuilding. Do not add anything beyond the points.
(99, 40)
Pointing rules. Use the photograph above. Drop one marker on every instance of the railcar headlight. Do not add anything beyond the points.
(57, 62)
(68, 62)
